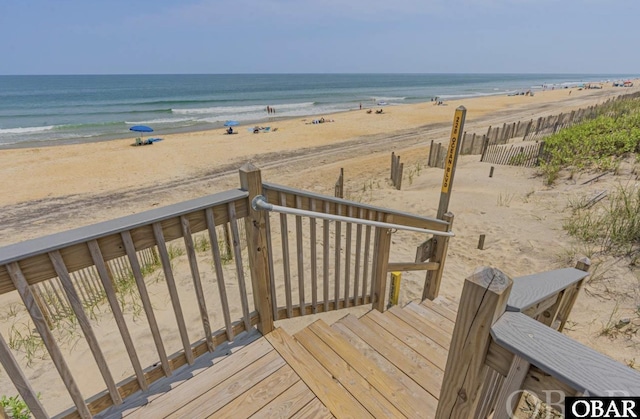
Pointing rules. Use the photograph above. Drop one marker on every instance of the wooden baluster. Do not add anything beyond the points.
(197, 283)
(314, 260)
(347, 260)
(20, 381)
(325, 259)
(20, 282)
(356, 273)
(217, 261)
(286, 262)
(337, 258)
(85, 325)
(146, 301)
(107, 283)
(242, 288)
(438, 255)
(300, 250)
(173, 290)
(380, 275)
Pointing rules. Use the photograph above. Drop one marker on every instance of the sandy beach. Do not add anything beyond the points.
(52, 189)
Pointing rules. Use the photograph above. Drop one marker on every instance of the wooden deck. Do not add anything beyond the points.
(380, 365)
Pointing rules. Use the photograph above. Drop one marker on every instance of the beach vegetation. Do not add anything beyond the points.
(15, 407)
(614, 226)
(597, 144)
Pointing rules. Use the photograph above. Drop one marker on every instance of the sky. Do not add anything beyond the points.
(324, 36)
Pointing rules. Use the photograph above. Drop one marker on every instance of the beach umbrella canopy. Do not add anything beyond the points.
(141, 128)
(231, 123)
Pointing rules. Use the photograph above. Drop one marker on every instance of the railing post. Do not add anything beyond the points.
(380, 274)
(583, 264)
(483, 300)
(257, 247)
(438, 255)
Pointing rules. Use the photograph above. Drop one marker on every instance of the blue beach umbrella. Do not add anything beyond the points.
(141, 128)
(231, 123)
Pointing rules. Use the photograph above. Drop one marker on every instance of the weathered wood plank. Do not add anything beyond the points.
(506, 403)
(433, 335)
(216, 397)
(440, 309)
(411, 266)
(421, 370)
(33, 253)
(237, 251)
(249, 402)
(405, 387)
(107, 283)
(85, 325)
(172, 400)
(20, 381)
(256, 228)
(325, 259)
(173, 290)
(217, 262)
(373, 400)
(386, 385)
(286, 404)
(314, 259)
(337, 257)
(436, 319)
(20, 284)
(582, 368)
(134, 399)
(300, 254)
(197, 282)
(484, 298)
(332, 395)
(314, 409)
(286, 264)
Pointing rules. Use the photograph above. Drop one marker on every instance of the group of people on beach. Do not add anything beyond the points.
(270, 110)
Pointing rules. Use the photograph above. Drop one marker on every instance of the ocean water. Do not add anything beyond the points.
(49, 110)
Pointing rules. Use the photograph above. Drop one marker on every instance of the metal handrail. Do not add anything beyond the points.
(259, 202)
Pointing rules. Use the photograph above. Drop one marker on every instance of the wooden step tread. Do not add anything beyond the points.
(314, 409)
(287, 403)
(372, 399)
(423, 372)
(410, 389)
(441, 309)
(429, 337)
(387, 384)
(262, 393)
(211, 377)
(339, 401)
(215, 398)
(433, 317)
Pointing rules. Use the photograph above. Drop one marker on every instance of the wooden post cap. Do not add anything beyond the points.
(491, 278)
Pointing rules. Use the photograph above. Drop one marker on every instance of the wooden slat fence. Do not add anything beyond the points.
(397, 169)
(519, 154)
(531, 130)
(437, 155)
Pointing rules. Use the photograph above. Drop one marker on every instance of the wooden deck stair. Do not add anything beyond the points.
(380, 365)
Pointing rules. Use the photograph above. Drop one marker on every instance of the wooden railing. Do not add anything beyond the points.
(214, 289)
(507, 340)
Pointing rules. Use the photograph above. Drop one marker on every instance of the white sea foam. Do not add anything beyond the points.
(27, 130)
(159, 121)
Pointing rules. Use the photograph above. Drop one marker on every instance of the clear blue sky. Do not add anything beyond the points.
(330, 36)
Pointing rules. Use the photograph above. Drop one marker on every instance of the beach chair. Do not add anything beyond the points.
(267, 129)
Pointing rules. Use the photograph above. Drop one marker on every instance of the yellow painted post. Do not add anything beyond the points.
(451, 159)
(394, 293)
